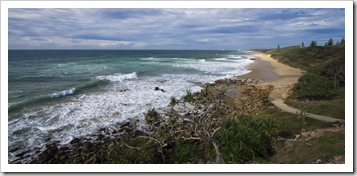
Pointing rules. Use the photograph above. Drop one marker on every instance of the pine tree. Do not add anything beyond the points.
(330, 42)
(342, 41)
(302, 45)
(313, 44)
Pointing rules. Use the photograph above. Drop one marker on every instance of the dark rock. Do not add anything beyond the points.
(52, 143)
(100, 136)
(124, 124)
(64, 147)
(114, 132)
(157, 88)
(122, 130)
(101, 129)
(75, 141)
(22, 153)
(62, 157)
(14, 150)
(73, 155)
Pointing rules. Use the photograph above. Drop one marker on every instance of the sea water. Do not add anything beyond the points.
(63, 94)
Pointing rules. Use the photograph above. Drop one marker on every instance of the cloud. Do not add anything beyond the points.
(170, 28)
(71, 43)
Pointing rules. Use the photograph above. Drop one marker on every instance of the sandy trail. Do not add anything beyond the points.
(282, 77)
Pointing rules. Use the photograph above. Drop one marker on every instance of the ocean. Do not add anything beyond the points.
(64, 94)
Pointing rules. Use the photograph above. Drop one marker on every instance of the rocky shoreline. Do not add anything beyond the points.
(95, 149)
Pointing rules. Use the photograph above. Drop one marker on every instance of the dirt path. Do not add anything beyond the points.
(284, 80)
(284, 107)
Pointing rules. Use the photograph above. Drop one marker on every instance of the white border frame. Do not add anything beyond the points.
(348, 167)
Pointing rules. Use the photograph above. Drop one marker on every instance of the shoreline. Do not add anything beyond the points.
(272, 72)
(263, 72)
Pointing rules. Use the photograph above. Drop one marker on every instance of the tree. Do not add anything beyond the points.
(330, 42)
(342, 41)
(334, 69)
(302, 45)
(313, 86)
(313, 44)
(278, 47)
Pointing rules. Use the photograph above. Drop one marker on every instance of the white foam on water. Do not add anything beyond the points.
(128, 97)
(229, 67)
(118, 77)
(158, 59)
(219, 59)
(64, 93)
(234, 56)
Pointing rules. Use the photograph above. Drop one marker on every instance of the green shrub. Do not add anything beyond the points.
(313, 86)
(205, 90)
(173, 101)
(189, 97)
(333, 69)
(133, 151)
(245, 138)
(190, 151)
(152, 116)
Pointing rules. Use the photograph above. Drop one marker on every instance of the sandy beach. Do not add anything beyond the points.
(281, 76)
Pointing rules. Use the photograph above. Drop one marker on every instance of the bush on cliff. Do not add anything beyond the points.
(244, 138)
(152, 116)
(313, 86)
(130, 150)
(333, 69)
(189, 97)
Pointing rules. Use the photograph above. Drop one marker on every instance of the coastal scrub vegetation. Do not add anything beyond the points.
(313, 86)
(152, 116)
(173, 101)
(250, 130)
(324, 77)
(189, 96)
(211, 133)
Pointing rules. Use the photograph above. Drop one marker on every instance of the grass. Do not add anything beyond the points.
(287, 122)
(152, 116)
(333, 143)
(334, 108)
(307, 57)
(329, 145)
(189, 97)
(188, 151)
(173, 101)
(140, 151)
(244, 139)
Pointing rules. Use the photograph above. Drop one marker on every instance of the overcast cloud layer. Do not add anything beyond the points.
(171, 28)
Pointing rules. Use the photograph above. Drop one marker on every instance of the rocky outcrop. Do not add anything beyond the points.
(92, 149)
(253, 97)
(180, 121)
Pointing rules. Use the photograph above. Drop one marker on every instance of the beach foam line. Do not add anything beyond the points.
(118, 77)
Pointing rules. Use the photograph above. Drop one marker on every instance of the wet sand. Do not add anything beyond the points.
(270, 71)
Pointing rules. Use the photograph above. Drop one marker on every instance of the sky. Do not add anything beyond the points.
(160, 28)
